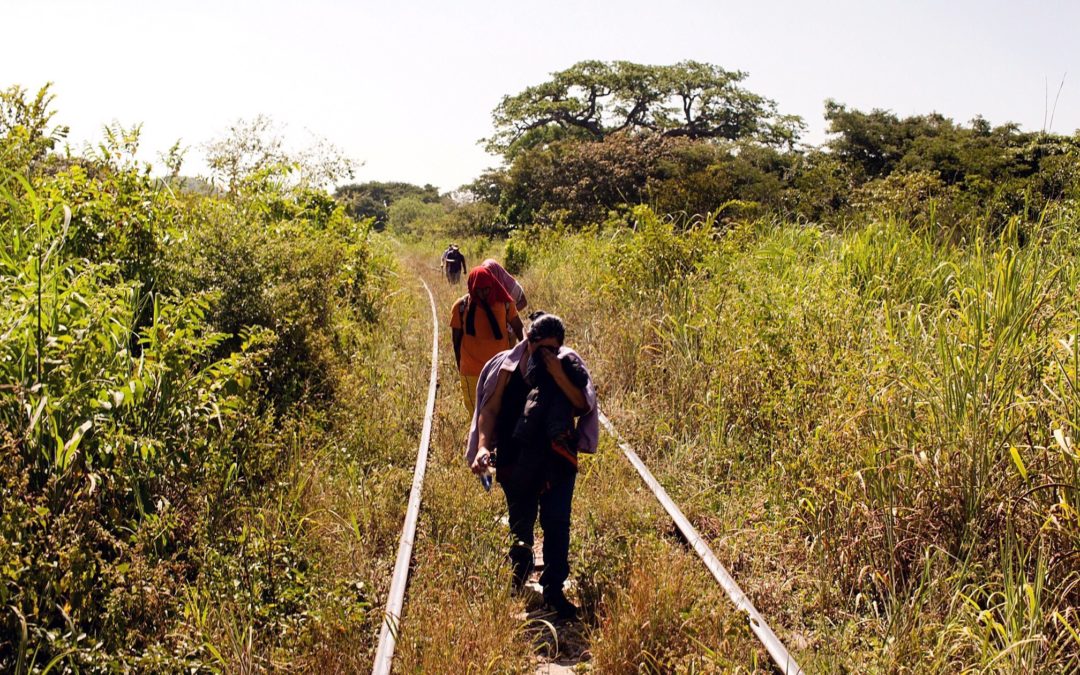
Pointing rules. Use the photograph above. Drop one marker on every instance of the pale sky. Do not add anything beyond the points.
(408, 87)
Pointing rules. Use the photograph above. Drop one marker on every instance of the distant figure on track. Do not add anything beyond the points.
(536, 459)
(453, 263)
(481, 324)
(508, 282)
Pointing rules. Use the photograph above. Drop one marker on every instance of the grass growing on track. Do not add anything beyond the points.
(357, 488)
(647, 599)
(458, 606)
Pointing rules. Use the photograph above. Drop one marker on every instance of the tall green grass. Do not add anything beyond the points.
(866, 417)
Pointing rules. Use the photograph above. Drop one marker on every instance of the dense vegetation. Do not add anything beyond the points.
(176, 368)
(873, 427)
(374, 199)
(876, 426)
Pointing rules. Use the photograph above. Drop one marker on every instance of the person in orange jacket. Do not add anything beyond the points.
(481, 324)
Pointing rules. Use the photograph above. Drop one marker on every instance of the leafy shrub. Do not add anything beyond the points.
(159, 348)
(654, 255)
(110, 448)
(292, 277)
(475, 218)
(409, 215)
(119, 216)
(517, 254)
(921, 199)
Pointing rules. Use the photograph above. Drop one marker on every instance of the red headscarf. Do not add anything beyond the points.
(481, 277)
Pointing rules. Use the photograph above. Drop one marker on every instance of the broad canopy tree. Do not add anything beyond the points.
(594, 99)
(878, 143)
(689, 138)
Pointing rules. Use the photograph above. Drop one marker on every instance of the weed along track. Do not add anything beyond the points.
(777, 651)
(392, 617)
(461, 615)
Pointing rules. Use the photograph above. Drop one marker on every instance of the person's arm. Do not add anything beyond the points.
(522, 301)
(573, 393)
(519, 330)
(485, 424)
(456, 334)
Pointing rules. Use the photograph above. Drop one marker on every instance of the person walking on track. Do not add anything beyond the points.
(481, 323)
(453, 263)
(537, 469)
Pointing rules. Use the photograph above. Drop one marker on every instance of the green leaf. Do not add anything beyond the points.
(1018, 462)
(68, 452)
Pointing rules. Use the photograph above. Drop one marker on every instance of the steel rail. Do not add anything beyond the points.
(392, 616)
(780, 656)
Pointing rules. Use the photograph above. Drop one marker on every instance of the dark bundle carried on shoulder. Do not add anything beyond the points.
(548, 415)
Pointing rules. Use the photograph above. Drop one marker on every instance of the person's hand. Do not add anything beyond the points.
(551, 361)
(481, 461)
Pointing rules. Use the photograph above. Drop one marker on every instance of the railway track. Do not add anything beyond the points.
(392, 613)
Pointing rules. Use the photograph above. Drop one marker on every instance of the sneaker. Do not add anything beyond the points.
(556, 599)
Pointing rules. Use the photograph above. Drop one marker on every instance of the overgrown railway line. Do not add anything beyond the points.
(391, 623)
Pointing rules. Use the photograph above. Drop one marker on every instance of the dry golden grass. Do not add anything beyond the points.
(459, 611)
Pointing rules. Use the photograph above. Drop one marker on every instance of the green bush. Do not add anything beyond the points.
(517, 254)
(654, 254)
(411, 216)
(115, 433)
(158, 349)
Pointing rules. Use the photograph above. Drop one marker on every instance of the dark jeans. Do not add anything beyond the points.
(523, 499)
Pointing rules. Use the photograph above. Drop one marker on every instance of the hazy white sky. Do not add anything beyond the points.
(408, 87)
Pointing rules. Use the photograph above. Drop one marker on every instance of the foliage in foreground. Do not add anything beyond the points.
(170, 368)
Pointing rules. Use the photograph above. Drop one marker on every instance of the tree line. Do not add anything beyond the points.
(689, 140)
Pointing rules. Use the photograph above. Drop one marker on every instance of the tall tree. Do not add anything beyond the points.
(594, 99)
(256, 149)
